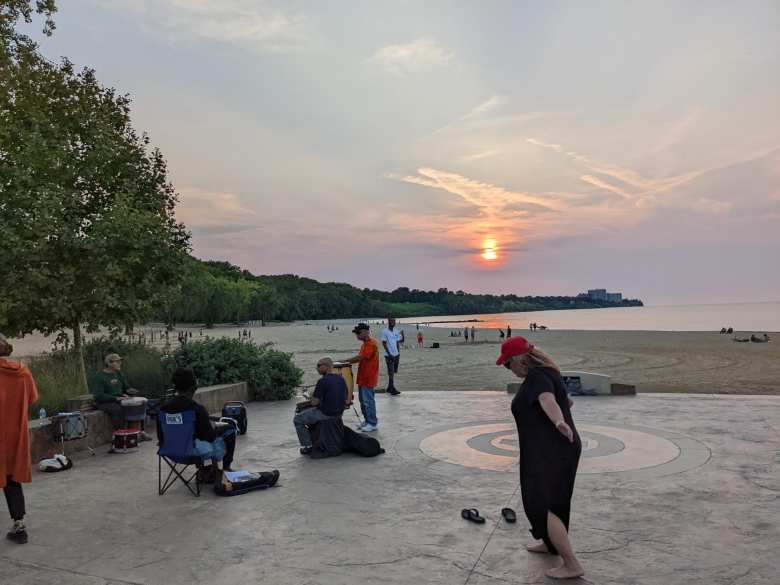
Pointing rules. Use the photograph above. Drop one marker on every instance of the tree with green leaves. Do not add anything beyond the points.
(88, 235)
(13, 11)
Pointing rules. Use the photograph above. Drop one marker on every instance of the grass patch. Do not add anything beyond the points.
(58, 377)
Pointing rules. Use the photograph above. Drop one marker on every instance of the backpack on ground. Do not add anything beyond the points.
(236, 410)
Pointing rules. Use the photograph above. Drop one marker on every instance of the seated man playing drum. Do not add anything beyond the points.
(109, 387)
(327, 402)
(209, 442)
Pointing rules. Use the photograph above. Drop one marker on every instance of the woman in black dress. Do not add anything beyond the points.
(549, 451)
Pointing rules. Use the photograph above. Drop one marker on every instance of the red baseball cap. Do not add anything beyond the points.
(512, 347)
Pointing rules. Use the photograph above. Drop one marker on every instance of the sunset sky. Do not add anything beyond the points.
(527, 147)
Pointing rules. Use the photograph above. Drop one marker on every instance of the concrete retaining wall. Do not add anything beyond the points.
(42, 445)
(602, 385)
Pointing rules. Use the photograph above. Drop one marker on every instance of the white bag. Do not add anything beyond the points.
(57, 463)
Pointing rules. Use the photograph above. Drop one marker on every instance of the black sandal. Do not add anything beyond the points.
(472, 514)
(509, 515)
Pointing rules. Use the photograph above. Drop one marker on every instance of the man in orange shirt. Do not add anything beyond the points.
(17, 394)
(367, 376)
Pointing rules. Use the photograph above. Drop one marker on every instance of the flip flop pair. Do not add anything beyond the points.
(472, 515)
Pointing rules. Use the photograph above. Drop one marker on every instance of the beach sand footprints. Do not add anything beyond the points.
(605, 449)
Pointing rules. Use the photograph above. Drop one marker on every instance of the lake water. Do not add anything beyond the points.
(743, 317)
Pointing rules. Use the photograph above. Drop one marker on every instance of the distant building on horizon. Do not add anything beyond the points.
(597, 294)
(601, 294)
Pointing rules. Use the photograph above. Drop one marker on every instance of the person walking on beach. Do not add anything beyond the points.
(419, 340)
(466, 335)
(550, 449)
(17, 394)
(367, 376)
(508, 331)
(391, 341)
(473, 334)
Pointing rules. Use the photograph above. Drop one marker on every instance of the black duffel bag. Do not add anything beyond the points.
(361, 444)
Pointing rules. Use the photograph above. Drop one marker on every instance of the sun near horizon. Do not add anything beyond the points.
(489, 251)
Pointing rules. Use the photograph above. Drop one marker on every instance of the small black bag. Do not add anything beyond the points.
(361, 444)
(236, 410)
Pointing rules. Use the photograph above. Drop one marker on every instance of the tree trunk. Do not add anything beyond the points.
(78, 348)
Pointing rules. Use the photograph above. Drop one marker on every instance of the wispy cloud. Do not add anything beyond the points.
(645, 192)
(211, 212)
(555, 147)
(488, 105)
(251, 24)
(480, 155)
(419, 55)
(596, 182)
(709, 206)
(488, 197)
(509, 217)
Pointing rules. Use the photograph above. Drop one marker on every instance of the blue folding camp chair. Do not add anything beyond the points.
(178, 449)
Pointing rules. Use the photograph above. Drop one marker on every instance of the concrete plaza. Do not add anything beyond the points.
(672, 489)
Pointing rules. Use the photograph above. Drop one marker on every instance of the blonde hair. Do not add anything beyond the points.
(536, 358)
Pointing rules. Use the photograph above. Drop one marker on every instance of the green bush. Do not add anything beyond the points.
(271, 374)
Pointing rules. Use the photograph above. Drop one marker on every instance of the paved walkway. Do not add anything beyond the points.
(673, 489)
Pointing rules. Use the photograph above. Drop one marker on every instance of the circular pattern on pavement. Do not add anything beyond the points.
(605, 448)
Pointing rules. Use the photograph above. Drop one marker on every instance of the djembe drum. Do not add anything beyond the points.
(134, 411)
(344, 370)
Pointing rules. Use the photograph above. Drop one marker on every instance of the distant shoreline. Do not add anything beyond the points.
(455, 321)
(702, 362)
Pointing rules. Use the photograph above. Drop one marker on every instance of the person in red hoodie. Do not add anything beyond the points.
(17, 394)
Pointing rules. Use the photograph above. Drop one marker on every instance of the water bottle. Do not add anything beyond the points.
(42, 413)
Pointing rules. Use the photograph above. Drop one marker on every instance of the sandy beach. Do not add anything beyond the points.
(654, 361)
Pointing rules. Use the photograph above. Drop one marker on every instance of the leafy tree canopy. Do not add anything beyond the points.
(86, 212)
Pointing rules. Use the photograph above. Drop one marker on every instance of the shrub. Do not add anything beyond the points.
(270, 374)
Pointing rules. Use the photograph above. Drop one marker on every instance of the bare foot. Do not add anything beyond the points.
(565, 572)
(537, 548)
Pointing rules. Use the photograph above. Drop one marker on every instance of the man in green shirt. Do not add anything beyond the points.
(109, 387)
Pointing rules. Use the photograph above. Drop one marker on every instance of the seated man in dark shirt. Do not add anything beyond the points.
(207, 440)
(327, 402)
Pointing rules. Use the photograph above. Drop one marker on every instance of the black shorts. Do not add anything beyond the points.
(392, 363)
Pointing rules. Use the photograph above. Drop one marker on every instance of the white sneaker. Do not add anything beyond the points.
(367, 428)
